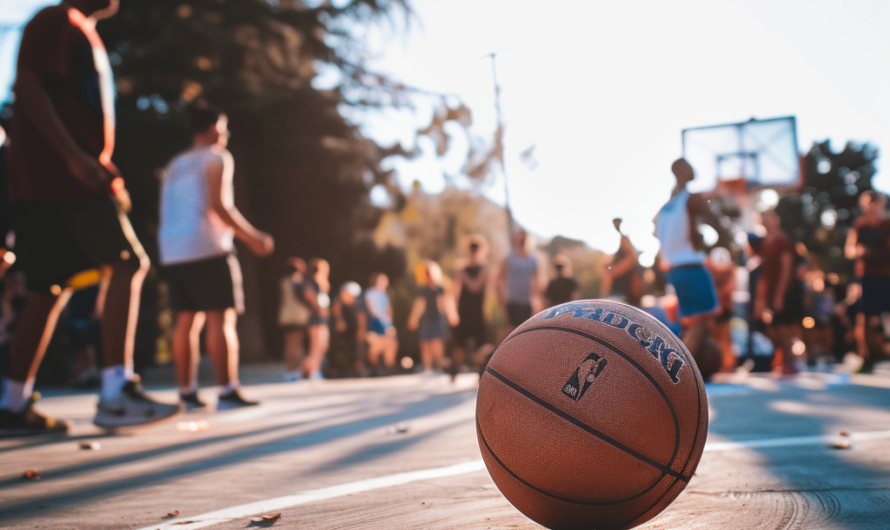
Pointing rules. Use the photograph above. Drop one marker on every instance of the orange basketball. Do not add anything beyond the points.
(591, 415)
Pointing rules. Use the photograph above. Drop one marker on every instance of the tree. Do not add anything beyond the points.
(303, 172)
(822, 213)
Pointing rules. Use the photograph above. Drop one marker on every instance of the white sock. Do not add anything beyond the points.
(231, 387)
(15, 394)
(190, 389)
(113, 380)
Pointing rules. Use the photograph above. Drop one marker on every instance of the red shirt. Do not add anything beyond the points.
(63, 48)
(775, 246)
(874, 234)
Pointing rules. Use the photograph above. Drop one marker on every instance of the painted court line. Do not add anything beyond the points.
(280, 503)
(821, 439)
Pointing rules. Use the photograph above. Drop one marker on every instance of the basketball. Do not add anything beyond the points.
(591, 414)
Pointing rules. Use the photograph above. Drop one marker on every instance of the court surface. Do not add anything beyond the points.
(400, 452)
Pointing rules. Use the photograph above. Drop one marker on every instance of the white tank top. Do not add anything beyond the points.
(672, 231)
(189, 229)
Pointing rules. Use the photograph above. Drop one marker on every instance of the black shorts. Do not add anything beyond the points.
(875, 295)
(518, 313)
(55, 240)
(471, 329)
(205, 285)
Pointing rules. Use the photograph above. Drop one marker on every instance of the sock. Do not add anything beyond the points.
(113, 380)
(15, 394)
(231, 387)
(190, 389)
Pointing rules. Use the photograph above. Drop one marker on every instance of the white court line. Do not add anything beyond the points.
(821, 439)
(289, 501)
(280, 503)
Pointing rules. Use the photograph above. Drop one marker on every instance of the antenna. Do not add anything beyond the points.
(499, 138)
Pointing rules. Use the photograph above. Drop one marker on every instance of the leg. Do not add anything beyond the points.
(457, 359)
(35, 329)
(183, 350)
(293, 349)
(223, 346)
(874, 340)
(374, 350)
(437, 350)
(426, 355)
(694, 334)
(121, 310)
(390, 350)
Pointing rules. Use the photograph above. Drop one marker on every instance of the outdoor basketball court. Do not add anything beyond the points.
(401, 452)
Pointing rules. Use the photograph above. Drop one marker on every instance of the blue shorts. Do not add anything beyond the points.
(695, 289)
(378, 326)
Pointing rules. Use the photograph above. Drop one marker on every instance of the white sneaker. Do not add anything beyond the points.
(132, 407)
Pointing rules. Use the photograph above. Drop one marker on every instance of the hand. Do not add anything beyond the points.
(89, 171)
(778, 304)
(262, 245)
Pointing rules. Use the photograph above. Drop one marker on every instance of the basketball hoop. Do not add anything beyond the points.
(732, 187)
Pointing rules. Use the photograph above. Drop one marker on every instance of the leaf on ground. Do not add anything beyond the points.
(171, 515)
(90, 446)
(31, 475)
(265, 520)
(843, 444)
(844, 433)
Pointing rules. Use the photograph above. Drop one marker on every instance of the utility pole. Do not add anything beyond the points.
(499, 140)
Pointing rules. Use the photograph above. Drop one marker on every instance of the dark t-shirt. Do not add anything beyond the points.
(560, 290)
(60, 45)
(874, 235)
(774, 248)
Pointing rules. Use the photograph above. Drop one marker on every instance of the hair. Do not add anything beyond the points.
(678, 164)
(203, 115)
(295, 264)
(562, 264)
(870, 196)
(315, 264)
(431, 273)
(352, 288)
(372, 280)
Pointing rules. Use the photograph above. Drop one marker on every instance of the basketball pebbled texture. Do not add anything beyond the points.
(591, 415)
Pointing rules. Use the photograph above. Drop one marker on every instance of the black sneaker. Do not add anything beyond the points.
(29, 422)
(131, 408)
(191, 401)
(234, 400)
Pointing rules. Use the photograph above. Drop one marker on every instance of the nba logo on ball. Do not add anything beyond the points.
(598, 386)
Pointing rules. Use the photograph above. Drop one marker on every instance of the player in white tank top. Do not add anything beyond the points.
(676, 227)
(198, 223)
(190, 230)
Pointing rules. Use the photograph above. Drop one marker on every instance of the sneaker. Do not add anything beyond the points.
(234, 400)
(29, 422)
(191, 401)
(132, 408)
(292, 377)
(316, 376)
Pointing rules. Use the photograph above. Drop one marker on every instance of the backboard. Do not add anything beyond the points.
(751, 156)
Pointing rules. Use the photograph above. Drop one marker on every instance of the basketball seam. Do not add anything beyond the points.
(636, 365)
(553, 495)
(578, 423)
(698, 390)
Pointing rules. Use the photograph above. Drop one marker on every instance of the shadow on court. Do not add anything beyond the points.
(268, 447)
(808, 486)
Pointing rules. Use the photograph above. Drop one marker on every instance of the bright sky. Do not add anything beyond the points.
(604, 89)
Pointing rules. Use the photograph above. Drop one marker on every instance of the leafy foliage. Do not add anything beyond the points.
(822, 213)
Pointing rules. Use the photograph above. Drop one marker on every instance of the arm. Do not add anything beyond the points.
(537, 289)
(698, 207)
(416, 312)
(260, 243)
(337, 313)
(852, 249)
(784, 282)
(311, 298)
(39, 110)
(448, 308)
(501, 284)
